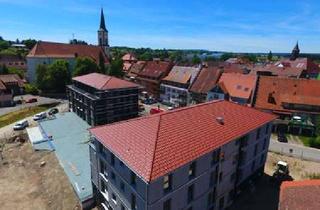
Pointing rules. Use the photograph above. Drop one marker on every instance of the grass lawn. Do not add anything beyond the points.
(12, 117)
(305, 140)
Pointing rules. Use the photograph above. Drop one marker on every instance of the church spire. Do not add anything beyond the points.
(295, 52)
(102, 22)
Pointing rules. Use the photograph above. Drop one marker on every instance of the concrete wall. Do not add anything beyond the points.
(171, 94)
(33, 62)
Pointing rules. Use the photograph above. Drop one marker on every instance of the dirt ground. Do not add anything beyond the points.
(265, 194)
(24, 184)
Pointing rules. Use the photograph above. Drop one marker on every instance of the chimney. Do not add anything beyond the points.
(220, 120)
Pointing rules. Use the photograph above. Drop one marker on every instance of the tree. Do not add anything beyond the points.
(115, 68)
(196, 59)
(4, 69)
(270, 56)
(4, 45)
(226, 56)
(59, 76)
(19, 72)
(30, 43)
(102, 67)
(85, 66)
(42, 78)
(54, 77)
(76, 41)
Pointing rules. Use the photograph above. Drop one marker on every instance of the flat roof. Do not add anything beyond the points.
(70, 139)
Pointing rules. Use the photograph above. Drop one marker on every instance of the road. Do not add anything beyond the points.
(41, 101)
(295, 150)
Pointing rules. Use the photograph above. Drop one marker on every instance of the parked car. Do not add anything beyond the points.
(282, 137)
(40, 116)
(21, 125)
(53, 111)
(150, 101)
(31, 100)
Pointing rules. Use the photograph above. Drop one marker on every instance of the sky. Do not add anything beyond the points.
(220, 25)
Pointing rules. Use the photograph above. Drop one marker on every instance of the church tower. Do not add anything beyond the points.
(103, 40)
(295, 52)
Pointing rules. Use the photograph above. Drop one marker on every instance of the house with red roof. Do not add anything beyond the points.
(299, 195)
(174, 88)
(152, 74)
(291, 99)
(13, 83)
(195, 157)
(234, 87)
(128, 60)
(100, 99)
(204, 82)
(13, 61)
(6, 96)
(48, 52)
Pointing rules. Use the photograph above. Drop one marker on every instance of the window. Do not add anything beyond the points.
(267, 128)
(212, 178)
(122, 186)
(133, 179)
(167, 182)
(233, 177)
(220, 177)
(255, 149)
(190, 193)
(258, 133)
(215, 157)
(211, 198)
(102, 167)
(264, 143)
(253, 165)
(222, 156)
(112, 159)
(167, 205)
(261, 159)
(113, 176)
(221, 203)
(192, 170)
(114, 198)
(121, 164)
(122, 207)
(104, 187)
(133, 202)
(231, 195)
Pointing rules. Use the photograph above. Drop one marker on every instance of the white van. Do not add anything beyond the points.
(40, 116)
(21, 125)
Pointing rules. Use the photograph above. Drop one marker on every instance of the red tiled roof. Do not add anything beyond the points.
(233, 68)
(2, 86)
(129, 57)
(289, 90)
(300, 195)
(156, 69)
(11, 78)
(62, 50)
(206, 80)
(182, 74)
(136, 68)
(289, 68)
(155, 145)
(104, 82)
(126, 66)
(238, 85)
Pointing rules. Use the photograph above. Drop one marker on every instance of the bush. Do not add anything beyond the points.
(31, 89)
